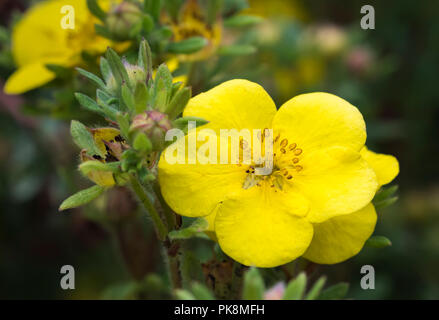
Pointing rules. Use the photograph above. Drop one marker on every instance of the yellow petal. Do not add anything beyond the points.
(102, 178)
(194, 189)
(342, 237)
(336, 181)
(210, 231)
(107, 134)
(318, 120)
(27, 78)
(257, 230)
(385, 166)
(235, 104)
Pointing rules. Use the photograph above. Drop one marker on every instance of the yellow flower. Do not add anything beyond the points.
(318, 174)
(110, 144)
(193, 24)
(38, 39)
(342, 237)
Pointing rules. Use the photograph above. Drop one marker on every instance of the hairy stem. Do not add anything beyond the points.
(171, 248)
(160, 227)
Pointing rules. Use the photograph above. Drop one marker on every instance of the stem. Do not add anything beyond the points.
(160, 228)
(169, 215)
(172, 257)
(237, 280)
(171, 248)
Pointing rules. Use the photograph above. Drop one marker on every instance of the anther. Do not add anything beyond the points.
(292, 146)
(284, 143)
(283, 150)
(297, 152)
(290, 177)
(298, 168)
(277, 137)
(295, 160)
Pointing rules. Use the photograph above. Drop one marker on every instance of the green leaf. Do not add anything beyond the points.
(124, 124)
(82, 197)
(237, 50)
(103, 31)
(378, 242)
(385, 203)
(95, 165)
(187, 46)
(105, 68)
(153, 7)
(201, 292)
(213, 10)
(84, 139)
(147, 22)
(117, 68)
(316, 288)
(253, 288)
(179, 102)
(144, 59)
(182, 123)
(163, 78)
(60, 71)
(142, 143)
(128, 97)
(88, 103)
(296, 288)
(162, 87)
(141, 97)
(335, 292)
(242, 20)
(385, 193)
(181, 294)
(92, 77)
(198, 226)
(96, 10)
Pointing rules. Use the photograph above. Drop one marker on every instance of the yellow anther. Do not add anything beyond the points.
(284, 143)
(283, 150)
(297, 152)
(298, 168)
(290, 177)
(292, 146)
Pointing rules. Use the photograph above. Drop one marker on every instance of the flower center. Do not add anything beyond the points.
(286, 164)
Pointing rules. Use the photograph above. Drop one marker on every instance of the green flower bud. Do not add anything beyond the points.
(135, 74)
(155, 125)
(122, 19)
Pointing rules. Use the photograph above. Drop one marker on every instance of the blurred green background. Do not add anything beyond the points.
(389, 73)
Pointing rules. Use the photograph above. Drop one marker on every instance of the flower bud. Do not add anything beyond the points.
(155, 125)
(359, 60)
(121, 20)
(135, 74)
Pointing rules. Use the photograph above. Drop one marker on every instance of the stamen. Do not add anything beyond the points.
(284, 143)
(283, 150)
(295, 160)
(289, 177)
(297, 152)
(298, 168)
(292, 146)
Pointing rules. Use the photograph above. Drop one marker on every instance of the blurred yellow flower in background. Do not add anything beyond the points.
(193, 23)
(38, 39)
